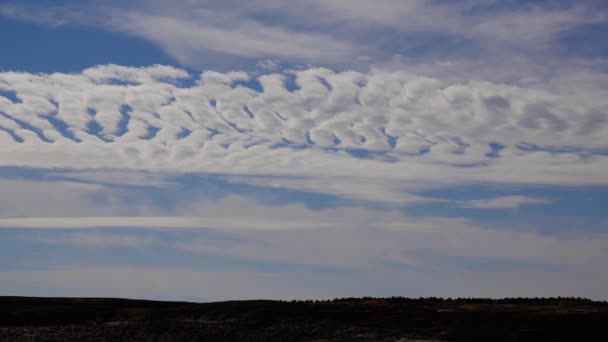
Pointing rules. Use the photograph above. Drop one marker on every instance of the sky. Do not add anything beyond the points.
(215, 150)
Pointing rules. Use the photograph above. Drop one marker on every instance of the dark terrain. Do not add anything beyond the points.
(367, 319)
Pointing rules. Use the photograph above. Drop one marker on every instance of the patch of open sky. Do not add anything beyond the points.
(188, 82)
(427, 46)
(335, 140)
(16, 253)
(402, 266)
(286, 143)
(119, 82)
(496, 148)
(34, 246)
(184, 133)
(15, 137)
(30, 50)
(484, 263)
(27, 126)
(184, 188)
(291, 83)
(213, 132)
(252, 83)
(11, 96)
(217, 186)
(247, 263)
(94, 128)
(468, 165)
(165, 200)
(125, 112)
(61, 127)
(584, 41)
(424, 150)
(15, 172)
(170, 101)
(360, 153)
(494, 7)
(153, 235)
(34, 174)
(391, 140)
(308, 139)
(570, 208)
(235, 127)
(152, 131)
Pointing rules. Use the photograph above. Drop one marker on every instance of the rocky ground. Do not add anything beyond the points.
(368, 319)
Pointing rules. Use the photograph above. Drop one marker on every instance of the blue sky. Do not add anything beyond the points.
(312, 149)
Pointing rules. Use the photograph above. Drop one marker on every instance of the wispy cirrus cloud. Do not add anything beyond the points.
(329, 32)
(504, 202)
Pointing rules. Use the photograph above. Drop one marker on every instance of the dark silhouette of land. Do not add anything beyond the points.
(349, 319)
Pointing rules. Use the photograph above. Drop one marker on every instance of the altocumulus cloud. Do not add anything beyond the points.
(306, 128)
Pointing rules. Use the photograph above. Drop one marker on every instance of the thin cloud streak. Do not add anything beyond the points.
(331, 32)
(506, 202)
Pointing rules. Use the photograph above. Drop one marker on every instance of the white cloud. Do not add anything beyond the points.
(189, 40)
(529, 26)
(335, 32)
(22, 198)
(28, 199)
(229, 213)
(379, 132)
(504, 202)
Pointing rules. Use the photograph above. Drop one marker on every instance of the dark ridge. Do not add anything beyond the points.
(344, 319)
